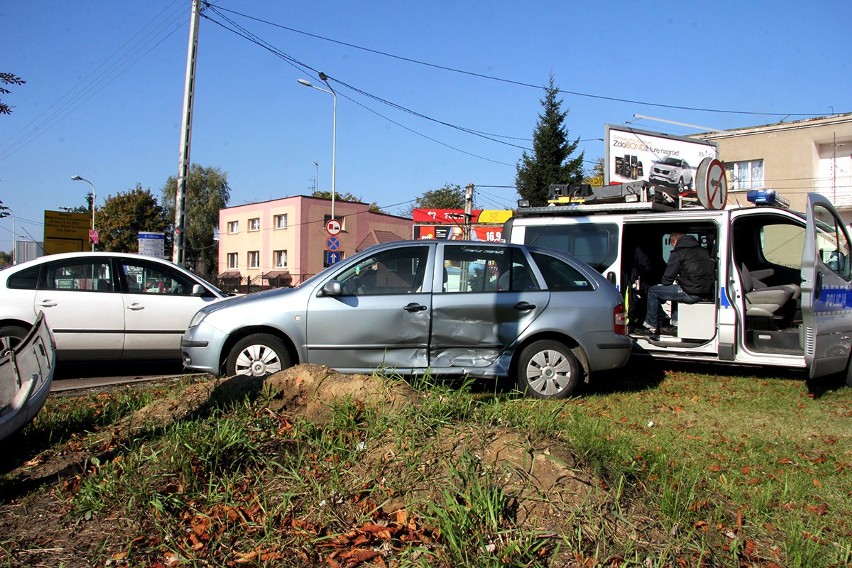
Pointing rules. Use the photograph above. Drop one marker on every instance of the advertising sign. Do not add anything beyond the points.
(489, 234)
(655, 157)
(435, 216)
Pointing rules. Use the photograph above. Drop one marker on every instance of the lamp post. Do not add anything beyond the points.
(78, 178)
(324, 78)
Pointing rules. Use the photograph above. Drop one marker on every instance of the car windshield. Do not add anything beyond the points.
(670, 161)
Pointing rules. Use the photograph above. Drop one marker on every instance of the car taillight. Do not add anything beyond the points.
(619, 319)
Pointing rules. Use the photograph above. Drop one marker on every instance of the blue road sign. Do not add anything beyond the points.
(332, 244)
(332, 257)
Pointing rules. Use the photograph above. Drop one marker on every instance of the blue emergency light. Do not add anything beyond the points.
(767, 197)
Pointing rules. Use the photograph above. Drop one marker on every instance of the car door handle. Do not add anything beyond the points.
(136, 307)
(524, 306)
(47, 304)
(414, 307)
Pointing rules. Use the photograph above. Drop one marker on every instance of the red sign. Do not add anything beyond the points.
(333, 227)
(93, 236)
(443, 216)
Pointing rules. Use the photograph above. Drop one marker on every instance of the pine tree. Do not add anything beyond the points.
(551, 160)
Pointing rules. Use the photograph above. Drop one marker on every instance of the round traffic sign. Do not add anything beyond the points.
(711, 184)
(333, 227)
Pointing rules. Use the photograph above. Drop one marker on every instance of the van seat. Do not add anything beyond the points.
(762, 300)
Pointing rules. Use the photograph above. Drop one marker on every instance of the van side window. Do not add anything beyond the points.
(594, 244)
(782, 244)
(832, 243)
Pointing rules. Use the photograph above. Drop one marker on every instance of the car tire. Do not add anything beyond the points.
(257, 355)
(680, 184)
(547, 369)
(11, 335)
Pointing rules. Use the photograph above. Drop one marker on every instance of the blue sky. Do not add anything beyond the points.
(105, 83)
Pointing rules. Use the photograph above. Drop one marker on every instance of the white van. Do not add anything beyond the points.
(783, 290)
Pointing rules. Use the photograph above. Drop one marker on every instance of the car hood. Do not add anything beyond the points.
(248, 298)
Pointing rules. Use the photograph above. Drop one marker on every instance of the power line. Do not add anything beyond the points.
(517, 82)
(133, 50)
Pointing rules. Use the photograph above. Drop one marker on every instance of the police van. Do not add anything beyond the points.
(783, 286)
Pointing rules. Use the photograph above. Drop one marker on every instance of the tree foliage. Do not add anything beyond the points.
(8, 79)
(207, 191)
(447, 197)
(595, 178)
(323, 194)
(550, 161)
(124, 216)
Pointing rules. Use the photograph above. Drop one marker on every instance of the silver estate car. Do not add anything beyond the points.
(468, 308)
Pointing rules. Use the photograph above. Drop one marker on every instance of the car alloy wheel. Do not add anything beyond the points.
(258, 355)
(548, 369)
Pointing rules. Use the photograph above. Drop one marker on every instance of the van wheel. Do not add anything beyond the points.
(547, 369)
(257, 355)
(10, 335)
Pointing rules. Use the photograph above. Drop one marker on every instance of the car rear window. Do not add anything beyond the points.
(24, 280)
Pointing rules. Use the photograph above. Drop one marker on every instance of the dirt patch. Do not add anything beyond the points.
(544, 480)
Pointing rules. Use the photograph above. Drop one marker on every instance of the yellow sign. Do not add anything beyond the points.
(494, 216)
(65, 232)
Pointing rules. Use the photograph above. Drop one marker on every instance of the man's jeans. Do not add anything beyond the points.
(658, 294)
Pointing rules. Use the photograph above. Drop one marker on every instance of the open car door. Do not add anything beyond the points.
(826, 289)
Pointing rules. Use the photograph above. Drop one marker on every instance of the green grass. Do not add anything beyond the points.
(675, 467)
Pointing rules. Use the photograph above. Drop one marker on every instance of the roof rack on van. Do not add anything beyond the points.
(631, 196)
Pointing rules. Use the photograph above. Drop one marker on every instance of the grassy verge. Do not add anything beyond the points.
(647, 468)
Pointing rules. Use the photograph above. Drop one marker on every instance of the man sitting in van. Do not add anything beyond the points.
(689, 278)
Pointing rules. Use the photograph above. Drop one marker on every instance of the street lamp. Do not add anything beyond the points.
(91, 237)
(324, 78)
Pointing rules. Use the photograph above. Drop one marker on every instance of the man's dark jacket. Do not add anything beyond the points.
(690, 264)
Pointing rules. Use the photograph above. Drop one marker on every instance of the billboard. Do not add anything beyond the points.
(66, 232)
(654, 157)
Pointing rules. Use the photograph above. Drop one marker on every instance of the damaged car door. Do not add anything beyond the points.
(485, 297)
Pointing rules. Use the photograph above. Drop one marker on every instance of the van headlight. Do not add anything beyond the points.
(197, 318)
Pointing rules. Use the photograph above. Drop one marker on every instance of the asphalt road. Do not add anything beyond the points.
(74, 375)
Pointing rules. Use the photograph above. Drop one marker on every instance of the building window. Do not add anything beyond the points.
(233, 260)
(280, 221)
(254, 259)
(279, 258)
(254, 224)
(743, 176)
(233, 226)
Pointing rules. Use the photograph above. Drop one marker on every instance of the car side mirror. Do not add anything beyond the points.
(331, 288)
(197, 290)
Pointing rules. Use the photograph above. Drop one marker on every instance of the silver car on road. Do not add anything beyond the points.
(465, 308)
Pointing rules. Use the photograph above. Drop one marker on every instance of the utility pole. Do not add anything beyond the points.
(468, 210)
(186, 137)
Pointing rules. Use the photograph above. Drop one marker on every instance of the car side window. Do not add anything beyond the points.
(145, 278)
(397, 271)
(81, 275)
(24, 280)
(559, 275)
(482, 268)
